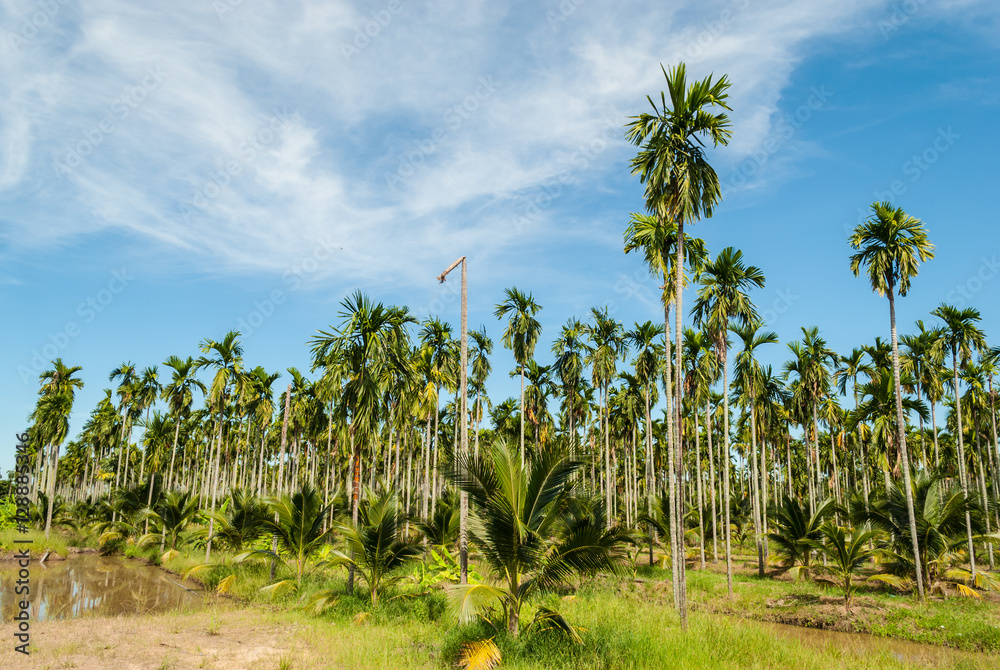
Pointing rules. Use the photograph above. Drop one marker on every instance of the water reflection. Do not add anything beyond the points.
(859, 644)
(105, 586)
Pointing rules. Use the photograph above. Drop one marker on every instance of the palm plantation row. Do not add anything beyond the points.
(661, 431)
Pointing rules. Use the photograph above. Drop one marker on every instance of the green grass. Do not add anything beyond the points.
(56, 542)
(624, 623)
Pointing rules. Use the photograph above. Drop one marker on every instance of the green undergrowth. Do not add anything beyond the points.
(38, 545)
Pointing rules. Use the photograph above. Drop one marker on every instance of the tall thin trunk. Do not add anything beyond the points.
(763, 500)
(522, 412)
(425, 498)
(982, 488)
(962, 474)
(50, 491)
(755, 491)
(679, 444)
(701, 500)
(711, 480)
(463, 542)
(725, 469)
(215, 486)
(902, 442)
(668, 390)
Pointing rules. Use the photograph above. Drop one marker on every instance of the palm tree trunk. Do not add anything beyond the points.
(755, 491)
(902, 443)
(962, 473)
(215, 488)
(763, 500)
(173, 453)
(50, 491)
(725, 468)
(711, 480)
(668, 379)
(609, 483)
(435, 458)
(701, 500)
(522, 412)
(982, 489)
(679, 444)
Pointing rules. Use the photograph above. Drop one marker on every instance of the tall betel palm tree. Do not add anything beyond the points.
(681, 185)
(891, 244)
(961, 336)
(521, 334)
(722, 300)
(373, 345)
(51, 418)
(179, 394)
(226, 358)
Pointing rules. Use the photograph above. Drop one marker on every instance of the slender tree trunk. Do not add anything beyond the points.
(435, 458)
(763, 500)
(902, 444)
(215, 486)
(463, 542)
(711, 480)
(725, 468)
(426, 444)
(701, 500)
(755, 491)
(679, 389)
(522, 412)
(50, 491)
(668, 390)
(982, 489)
(962, 474)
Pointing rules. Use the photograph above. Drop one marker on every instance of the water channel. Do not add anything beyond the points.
(96, 585)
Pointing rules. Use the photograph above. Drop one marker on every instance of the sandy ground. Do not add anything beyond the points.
(222, 638)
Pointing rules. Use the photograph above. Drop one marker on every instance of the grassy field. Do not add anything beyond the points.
(625, 622)
(57, 543)
(619, 630)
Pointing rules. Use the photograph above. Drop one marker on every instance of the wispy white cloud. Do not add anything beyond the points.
(237, 141)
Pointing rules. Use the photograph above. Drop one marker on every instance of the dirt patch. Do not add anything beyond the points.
(223, 638)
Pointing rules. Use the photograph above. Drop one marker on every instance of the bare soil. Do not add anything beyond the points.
(223, 637)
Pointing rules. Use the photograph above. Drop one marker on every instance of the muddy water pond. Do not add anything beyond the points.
(96, 585)
(903, 651)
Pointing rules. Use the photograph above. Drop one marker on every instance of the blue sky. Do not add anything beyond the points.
(168, 174)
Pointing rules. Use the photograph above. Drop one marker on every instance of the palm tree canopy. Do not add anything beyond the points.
(891, 245)
(680, 183)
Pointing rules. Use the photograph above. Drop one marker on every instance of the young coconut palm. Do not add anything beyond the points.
(299, 530)
(377, 543)
(847, 552)
(518, 508)
(172, 514)
(795, 533)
